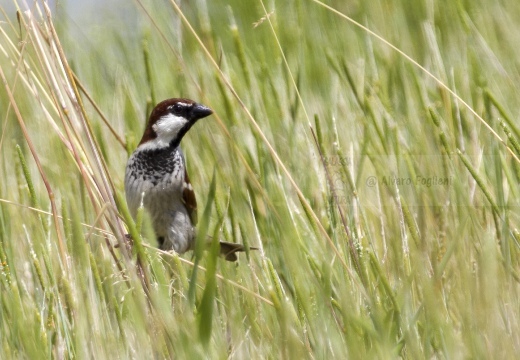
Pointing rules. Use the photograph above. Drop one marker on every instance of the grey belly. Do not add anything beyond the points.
(169, 216)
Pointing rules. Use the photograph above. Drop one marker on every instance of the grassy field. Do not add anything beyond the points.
(370, 150)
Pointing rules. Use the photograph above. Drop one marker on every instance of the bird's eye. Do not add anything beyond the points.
(177, 109)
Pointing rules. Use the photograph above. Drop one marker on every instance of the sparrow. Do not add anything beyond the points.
(156, 177)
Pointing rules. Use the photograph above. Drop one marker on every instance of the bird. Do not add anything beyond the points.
(156, 177)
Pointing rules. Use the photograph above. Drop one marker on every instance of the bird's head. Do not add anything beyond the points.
(169, 121)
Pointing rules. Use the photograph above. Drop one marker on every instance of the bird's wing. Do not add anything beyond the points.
(188, 198)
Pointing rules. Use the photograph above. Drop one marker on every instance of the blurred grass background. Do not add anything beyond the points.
(400, 240)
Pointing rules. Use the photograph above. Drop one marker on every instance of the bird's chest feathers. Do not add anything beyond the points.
(159, 174)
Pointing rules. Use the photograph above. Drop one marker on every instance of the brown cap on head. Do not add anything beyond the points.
(179, 107)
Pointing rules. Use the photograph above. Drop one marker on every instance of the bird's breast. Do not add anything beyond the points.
(155, 180)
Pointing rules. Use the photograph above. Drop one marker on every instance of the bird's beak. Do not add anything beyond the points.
(200, 111)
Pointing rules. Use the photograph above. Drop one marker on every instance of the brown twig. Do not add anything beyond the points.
(98, 110)
(50, 193)
(108, 186)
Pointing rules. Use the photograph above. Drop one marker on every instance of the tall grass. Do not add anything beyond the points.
(368, 149)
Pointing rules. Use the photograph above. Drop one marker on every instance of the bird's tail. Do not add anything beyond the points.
(228, 250)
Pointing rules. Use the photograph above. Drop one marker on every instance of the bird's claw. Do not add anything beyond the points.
(128, 241)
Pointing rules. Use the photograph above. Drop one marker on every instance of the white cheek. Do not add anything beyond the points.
(169, 126)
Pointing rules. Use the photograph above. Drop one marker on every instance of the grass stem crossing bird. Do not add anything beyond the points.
(156, 176)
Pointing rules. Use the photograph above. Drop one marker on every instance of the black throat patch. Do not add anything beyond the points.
(153, 164)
